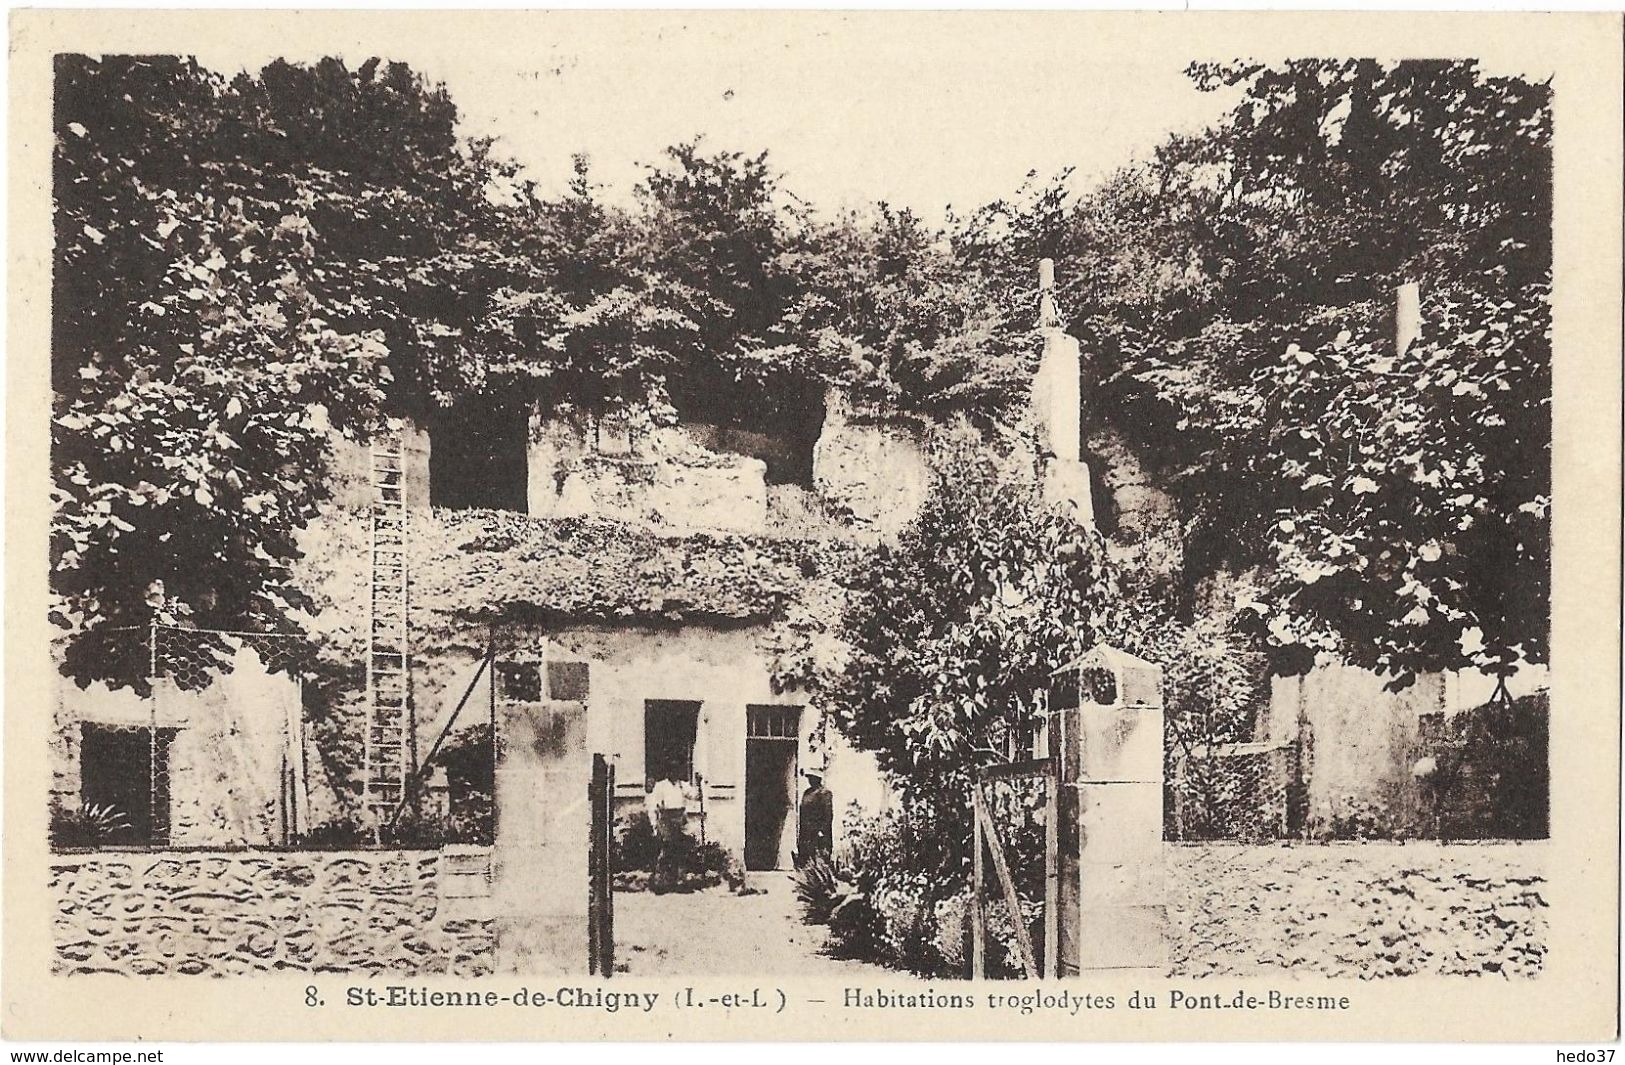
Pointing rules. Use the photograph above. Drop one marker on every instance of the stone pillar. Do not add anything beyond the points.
(1057, 406)
(464, 879)
(539, 857)
(1106, 728)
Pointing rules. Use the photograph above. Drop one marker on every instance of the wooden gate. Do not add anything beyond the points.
(600, 870)
(989, 845)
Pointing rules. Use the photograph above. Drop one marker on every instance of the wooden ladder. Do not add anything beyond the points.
(391, 744)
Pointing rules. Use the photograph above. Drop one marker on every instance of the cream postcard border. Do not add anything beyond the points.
(1573, 1000)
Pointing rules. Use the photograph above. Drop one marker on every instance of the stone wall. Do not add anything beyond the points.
(1375, 765)
(227, 913)
(1367, 910)
(1358, 744)
(630, 471)
(874, 470)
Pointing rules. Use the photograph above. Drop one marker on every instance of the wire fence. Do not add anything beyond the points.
(169, 667)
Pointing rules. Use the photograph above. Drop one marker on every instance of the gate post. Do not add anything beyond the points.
(601, 874)
(541, 854)
(1106, 735)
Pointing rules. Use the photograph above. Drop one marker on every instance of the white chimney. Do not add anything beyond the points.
(1407, 315)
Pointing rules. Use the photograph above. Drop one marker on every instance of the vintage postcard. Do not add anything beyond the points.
(813, 525)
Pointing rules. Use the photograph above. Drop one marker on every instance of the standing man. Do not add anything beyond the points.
(668, 812)
(815, 831)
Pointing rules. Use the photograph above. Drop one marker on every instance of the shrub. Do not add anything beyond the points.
(436, 830)
(821, 889)
(875, 907)
(1356, 818)
(635, 850)
(89, 825)
(633, 844)
(410, 831)
(908, 921)
(342, 833)
(830, 895)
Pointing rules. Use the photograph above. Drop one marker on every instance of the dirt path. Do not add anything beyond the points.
(718, 933)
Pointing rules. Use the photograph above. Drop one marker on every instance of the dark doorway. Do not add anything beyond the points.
(669, 729)
(771, 739)
(477, 456)
(778, 422)
(117, 771)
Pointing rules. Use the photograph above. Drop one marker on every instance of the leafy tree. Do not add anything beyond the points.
(886, 310)
(955, 632)
(956, 629)
(1236, 291)
(784, 304)
(232, 280)
(576, 311)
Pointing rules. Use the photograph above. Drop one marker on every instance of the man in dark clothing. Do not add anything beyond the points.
(815, 833)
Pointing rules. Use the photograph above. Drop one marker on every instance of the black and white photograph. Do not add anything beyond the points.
(611, 503)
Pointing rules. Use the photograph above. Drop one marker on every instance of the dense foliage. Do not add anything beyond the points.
(953, 635)
(230, 287)
(954, 629)
(244, 265)
(1238, 293)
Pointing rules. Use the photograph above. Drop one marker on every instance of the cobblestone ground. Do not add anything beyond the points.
(719, 933)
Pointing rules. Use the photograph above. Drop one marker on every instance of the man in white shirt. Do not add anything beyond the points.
(667, 804)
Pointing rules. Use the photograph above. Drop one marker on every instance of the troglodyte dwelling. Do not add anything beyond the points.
(664, 586)
(670, 583)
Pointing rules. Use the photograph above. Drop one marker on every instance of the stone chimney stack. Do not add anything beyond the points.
(1057, 400)
(1048, 316)
(1407, 315)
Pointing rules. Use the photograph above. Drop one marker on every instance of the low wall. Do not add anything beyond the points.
(225, 913)
(1367, 910)
(1364, 910)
